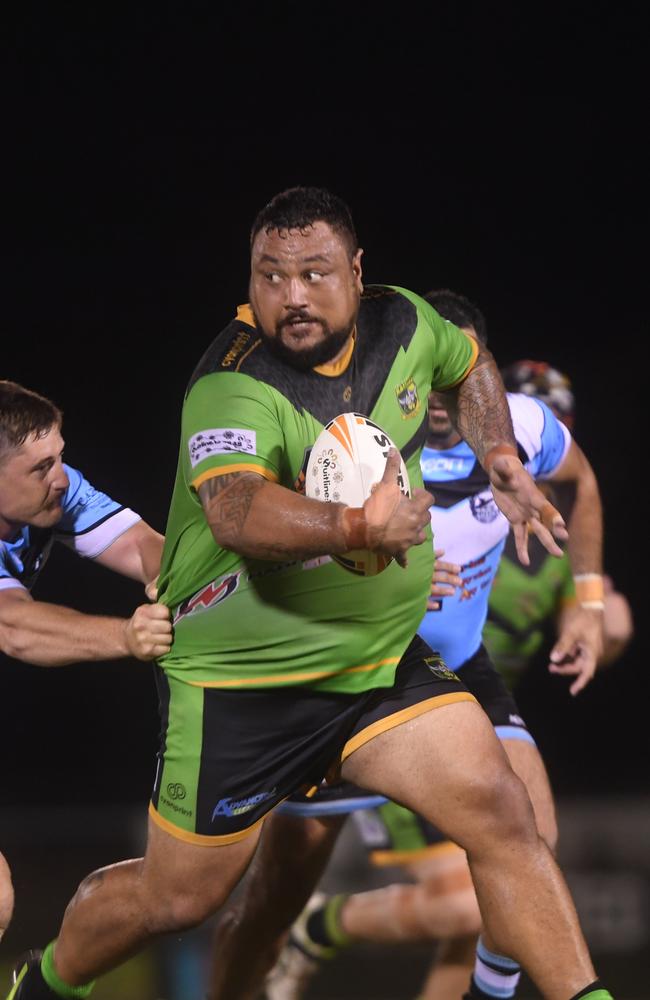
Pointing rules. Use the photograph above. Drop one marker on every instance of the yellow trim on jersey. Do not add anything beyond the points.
(334, 368)
(293, 678)
(472, 361)
(382, 858)
(331, 368)
(200, 839)
(405, 715)
(223, 470)
(245, 314)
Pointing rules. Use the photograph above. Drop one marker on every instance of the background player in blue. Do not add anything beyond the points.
(43, 501)
(467, 522)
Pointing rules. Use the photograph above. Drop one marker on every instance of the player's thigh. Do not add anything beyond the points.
(193, 880)
(526, 761)
(448, 765)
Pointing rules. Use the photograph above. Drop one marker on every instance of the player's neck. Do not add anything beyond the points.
(443, 442)
(9, 531)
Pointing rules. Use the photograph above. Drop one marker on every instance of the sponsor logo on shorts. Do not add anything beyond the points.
(437, 667)
(213, 593)
(221, 441)
(407, 397)
(516, 720)
(484, 508)
(236, 807)
(176, 792)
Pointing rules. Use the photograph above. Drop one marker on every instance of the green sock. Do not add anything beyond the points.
(335, 932)
(56, 984)
(593, 994)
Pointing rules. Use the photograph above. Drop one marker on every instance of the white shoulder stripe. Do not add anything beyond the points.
(527, 422)
(92, 543)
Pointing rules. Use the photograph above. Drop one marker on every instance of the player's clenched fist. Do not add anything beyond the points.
(149, 632)
(393, 521)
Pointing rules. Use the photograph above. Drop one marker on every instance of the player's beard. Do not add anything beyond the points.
(318, 354)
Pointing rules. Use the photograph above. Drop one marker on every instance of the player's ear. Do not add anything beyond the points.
(357, 270)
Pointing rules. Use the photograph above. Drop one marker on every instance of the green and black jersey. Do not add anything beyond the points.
(524, 604)
(242, 623)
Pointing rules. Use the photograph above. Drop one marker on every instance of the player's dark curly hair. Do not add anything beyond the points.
(301, 207)
(23, 412)
(458, 310)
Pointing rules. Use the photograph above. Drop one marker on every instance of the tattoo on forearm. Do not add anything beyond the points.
(483, 426)
(227, 500)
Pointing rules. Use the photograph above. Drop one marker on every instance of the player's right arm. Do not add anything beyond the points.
(259, 519)
(50, 635)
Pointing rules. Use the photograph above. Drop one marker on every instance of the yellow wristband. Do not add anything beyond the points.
(499, 449)
(354, 528)
(589, 590)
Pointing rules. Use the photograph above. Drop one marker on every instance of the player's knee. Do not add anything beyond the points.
(505, 809)
(547, 829)
(184, 908)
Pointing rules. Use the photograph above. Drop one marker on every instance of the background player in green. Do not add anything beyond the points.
(528, 603)
(295, 669)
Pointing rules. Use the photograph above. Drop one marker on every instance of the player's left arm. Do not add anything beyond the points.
(580, 642)
(478, 407)
(136, 553)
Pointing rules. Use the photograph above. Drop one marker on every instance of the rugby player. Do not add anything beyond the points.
(284, 667)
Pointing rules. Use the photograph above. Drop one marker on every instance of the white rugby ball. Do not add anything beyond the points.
(348, 458)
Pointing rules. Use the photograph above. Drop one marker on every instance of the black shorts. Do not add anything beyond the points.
(482, 679)
(228, 757)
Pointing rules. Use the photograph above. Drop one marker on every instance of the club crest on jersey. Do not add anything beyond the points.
(440, 669)
(407, 397)
(213, 593)
(484, 508)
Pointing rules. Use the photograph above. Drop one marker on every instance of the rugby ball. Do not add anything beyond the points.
(348, 458)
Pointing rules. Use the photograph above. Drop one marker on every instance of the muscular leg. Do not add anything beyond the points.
(448, 765)
(441, 905)
(6, 896)
(290, 859)
(119, 909)
(526, 761)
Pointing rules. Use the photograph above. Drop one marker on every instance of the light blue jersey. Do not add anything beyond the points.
(471, 529)
(90, 522)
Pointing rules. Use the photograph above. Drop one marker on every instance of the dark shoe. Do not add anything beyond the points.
(27, 966)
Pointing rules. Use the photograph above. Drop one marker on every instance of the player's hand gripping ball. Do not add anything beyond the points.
(347, 460)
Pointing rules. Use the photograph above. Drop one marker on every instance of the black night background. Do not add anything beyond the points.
(495, 149)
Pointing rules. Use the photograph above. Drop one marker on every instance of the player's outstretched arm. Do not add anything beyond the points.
(580, 641)
(50, 635)
(136, 553)
(261, 520)
(480, 412)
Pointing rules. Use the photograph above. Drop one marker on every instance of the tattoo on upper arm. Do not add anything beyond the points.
(227, 500)
(484, 426)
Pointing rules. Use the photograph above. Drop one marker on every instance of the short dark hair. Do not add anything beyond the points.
(458, 310)
(300, 208)
(23, 412)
